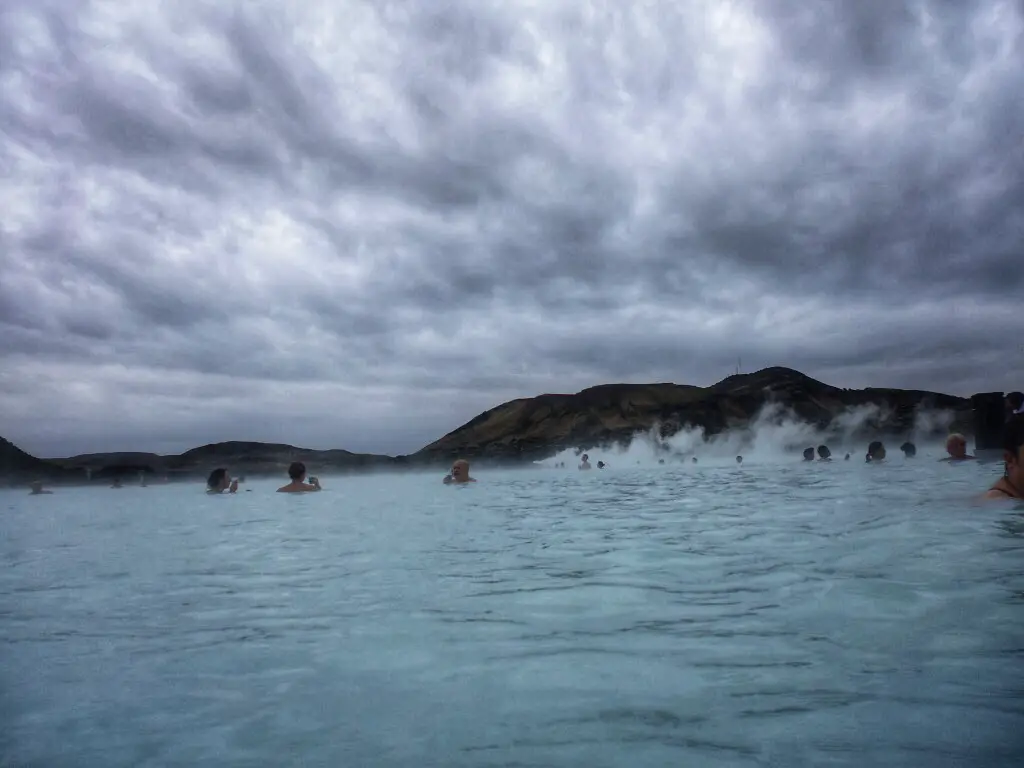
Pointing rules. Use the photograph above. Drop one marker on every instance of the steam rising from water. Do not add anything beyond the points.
(774, 435)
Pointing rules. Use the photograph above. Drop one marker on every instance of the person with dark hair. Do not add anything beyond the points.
(808, 454)
(876, 451)
(909, 449)
(739, 459)
(219, 481)
(298, 484)
(824, 454)
(956, 447)
(1014, 404)
(1011, 484)
(584, 462)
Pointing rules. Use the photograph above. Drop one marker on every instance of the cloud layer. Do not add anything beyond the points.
(357, 224)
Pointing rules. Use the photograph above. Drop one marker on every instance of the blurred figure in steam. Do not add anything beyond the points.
(846, 457)
(956, 447)
(824, 454)
(909, 450)
(808, 454)
(694, 460)
(37, 488)
(584, 462)
(876, 451)
(739, 459)
(601, 465)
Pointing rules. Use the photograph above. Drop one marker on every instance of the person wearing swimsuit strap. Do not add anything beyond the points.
(1011, 484)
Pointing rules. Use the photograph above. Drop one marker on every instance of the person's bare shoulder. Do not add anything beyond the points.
(994, 493)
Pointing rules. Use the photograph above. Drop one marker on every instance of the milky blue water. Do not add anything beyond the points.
(818, 615)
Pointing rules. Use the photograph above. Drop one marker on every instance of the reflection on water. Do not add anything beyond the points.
(822, 614)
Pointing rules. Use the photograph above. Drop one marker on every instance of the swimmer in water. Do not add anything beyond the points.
(739, 459)
(694, 460)
(824, 454)
(1014, 404)
(219, 481)
(601, 465)
(956, 447)
(585, 462)
(459, 474)
(37, 488)
(298, 484)
(909, 450)
(1011, 484)
(846, 457)
(876, 452)
(808, 454)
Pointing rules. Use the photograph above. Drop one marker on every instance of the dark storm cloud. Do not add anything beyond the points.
(359, 224)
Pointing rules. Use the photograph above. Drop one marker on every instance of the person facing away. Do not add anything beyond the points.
(584, 462)
(1014, 404)
(739, 459)
(298, 484)
(824, 454)
(219, 481)
(459, 473)
(601, 465)
(808, 454)
(876, 451)
(909, 450)
(37, 488)
(956, 447)
(1011, 484)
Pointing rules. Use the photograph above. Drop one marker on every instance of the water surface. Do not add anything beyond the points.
(841, 615)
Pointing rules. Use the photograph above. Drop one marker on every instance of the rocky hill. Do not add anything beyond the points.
(534, 428)
(243, 458)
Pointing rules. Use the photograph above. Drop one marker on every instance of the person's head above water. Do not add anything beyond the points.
(909, 449)
(219, 481)
(460, 472)
(1011, 484)
(824, 453)
(1014, 403)
(297, 476)
(694, 460)
(808, 454)
(956, 446)
(297, 471)
(739, 459)
(600, 465)
(876, 451)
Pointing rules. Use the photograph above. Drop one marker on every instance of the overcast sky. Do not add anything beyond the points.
(358, 224)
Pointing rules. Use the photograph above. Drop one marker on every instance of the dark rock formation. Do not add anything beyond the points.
(534, 428)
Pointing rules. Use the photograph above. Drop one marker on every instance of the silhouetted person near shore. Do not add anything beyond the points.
(1011, 484)
(36, 488)
(460, 473)
(219, 481)
(876, 451)
(808, 454)
(824, 454)
(298, 484)
(909, 450)
(956, 447)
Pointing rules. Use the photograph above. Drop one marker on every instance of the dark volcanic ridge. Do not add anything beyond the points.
(532, 429)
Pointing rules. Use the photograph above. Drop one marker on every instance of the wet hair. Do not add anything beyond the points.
(875, 448)
(216, 478)
(909, 449)
(808, 454)
(739, 459)
(1016, 400)
(296, 470)
(824, 452)
(600, 465)
(1013, 434)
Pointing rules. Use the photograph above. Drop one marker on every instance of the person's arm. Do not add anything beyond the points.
(233, 487)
